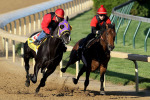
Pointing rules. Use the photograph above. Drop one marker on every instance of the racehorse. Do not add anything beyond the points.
(49, 54)
(96, 55)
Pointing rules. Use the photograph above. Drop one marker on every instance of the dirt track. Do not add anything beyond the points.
(12, 87)
(12, 76)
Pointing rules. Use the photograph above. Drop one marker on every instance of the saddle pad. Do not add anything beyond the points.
(32, 45)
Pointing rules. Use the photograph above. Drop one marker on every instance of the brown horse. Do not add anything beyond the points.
(96, 55)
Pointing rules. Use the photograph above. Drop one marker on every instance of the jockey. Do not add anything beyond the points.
(96, 23)
(50, 23)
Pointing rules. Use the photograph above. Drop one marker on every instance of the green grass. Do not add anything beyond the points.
(120, 71)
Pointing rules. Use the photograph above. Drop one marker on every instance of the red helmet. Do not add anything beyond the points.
(101, 10)
(60, 13)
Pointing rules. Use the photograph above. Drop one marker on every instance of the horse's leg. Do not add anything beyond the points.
(102, 73)
(43, 80)
(75, 81)
(33, 77)
(72, 60)
(86, 83)
(26, 60)
(43, 71)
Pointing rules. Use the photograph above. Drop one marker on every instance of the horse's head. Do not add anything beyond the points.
(64, 31)
(109, 36)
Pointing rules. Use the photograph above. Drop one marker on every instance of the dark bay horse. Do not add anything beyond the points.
(96, 55)
(49, 54)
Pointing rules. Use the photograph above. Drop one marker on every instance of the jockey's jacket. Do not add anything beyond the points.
(96, 23)
(48, 23)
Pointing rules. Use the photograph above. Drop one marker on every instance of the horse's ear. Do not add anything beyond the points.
(113, 24)
(70, 27)
(67, 18)
(106, 26)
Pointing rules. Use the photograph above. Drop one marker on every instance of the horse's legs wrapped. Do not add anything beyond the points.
(75, 81)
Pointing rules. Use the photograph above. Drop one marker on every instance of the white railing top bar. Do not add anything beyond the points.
(114, 12)
(136, 57)
(19, 38)
(17, 14)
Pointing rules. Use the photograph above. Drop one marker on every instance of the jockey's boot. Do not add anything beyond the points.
(36, 42)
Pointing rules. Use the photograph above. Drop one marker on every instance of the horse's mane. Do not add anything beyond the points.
(109, 26)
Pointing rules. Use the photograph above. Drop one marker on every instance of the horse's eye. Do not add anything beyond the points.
(61, 26)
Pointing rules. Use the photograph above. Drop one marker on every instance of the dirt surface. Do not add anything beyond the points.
(12, 78)
(12, 87)
(9, 5)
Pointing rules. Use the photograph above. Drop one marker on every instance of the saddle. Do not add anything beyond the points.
(32, 39)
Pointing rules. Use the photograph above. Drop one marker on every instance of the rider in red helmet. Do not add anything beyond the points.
(49, 24)
(96, 25)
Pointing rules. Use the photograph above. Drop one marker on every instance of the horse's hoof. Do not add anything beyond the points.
(74, 80)
(102, 92)
(43, 84)
(37, 90)
(63, 70)
(27, 83)
(32, 78)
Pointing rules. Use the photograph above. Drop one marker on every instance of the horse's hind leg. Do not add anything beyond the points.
(26, 60)
(43, 80)
(72, 60)
(75, 81)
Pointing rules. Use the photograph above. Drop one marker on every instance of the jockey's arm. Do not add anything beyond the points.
(95, 31)
(45, 23)
(93, 25)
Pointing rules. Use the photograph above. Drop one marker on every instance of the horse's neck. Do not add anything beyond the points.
(55, 33)
(54, 42)
(103, 41)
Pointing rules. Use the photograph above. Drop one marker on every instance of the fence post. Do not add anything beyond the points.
(15, 27)
(25, 26)
(29, 24)
(61, 66)
(13, 50)
(19, 26)
(22, 52)
(34, 23)
(33, 62)
(77, 68)
(136, 76)
(6, 48)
